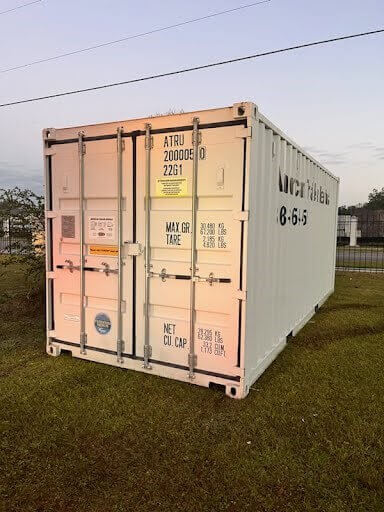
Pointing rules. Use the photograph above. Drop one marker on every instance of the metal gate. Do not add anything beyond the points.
(360, 242)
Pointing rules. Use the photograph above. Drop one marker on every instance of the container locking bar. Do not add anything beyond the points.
(192, 358)
(119, 341)
(70, 266)
(164, 276)
(198, 279)
(212, 279)
(148, 147)
(81, 151)
(105, 270)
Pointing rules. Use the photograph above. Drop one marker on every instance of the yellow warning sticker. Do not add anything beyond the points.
(103, 250)
(171, 187)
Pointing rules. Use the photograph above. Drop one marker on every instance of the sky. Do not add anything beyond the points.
(329, 99)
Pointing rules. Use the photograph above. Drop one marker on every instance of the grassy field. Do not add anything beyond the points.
(77, 436)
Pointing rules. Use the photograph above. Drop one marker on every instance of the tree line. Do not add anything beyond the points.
(375, 202)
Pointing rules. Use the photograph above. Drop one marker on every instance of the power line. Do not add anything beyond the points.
(20, 7)
(134, 36)
(195, 68)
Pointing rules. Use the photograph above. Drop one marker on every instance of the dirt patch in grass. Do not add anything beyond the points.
(78, 436)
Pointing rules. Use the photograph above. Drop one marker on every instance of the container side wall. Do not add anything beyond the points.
(291, 244)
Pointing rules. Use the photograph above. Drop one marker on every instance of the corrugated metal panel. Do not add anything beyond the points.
(213, 276)
(291, 240)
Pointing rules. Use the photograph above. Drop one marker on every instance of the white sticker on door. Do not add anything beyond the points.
(71, 318)
(101, 228)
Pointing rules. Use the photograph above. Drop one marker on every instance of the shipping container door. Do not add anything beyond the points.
(100, 224)
(219, 199)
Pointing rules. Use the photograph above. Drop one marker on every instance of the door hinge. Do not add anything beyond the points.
(241, 215)
(243, 132)
(241, 295)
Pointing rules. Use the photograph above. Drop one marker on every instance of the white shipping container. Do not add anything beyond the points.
(189, 246)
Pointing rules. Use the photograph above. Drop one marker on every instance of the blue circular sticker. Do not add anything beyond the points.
(102, 323)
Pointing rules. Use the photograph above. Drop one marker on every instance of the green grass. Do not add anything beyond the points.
(11, 279)
(77, 436)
